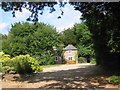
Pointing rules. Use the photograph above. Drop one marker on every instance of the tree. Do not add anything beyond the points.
(102, 18)
(84, 39)
(26, 38)
(79, 36)
(1, 35)
(68, 37)
(103, 22)
(34, 39)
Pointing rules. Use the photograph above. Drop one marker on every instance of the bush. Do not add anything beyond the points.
(45, 58)
(1, 69)
(114, 79)
(3, 58)
(8, 69)
(93, 61)
(81, 60)
(26, 64)
(34, 65)
(22, 64)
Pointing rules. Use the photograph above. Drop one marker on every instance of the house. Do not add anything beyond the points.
(70, 54)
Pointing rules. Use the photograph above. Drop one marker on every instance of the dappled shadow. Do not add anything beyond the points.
(86, 77)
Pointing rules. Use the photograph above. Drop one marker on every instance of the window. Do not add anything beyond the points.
(70, 51)
(69, 58)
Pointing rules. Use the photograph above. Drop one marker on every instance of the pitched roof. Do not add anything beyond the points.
(70, 47)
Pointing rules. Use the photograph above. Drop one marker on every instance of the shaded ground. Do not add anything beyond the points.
(85, 76)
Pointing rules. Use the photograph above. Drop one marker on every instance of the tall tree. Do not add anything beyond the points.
(26, 38)
(80, 36)
(68, 37)
(102, 18)
(103, 22)
(84, 39)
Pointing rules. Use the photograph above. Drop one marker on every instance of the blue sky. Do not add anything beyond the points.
(69, 18)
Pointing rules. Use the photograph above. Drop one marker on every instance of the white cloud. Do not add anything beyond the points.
(71, 14)
(21, 16)
(69, 18)
(48, 15)
(3, 25)
(4, 28)
(60, 29)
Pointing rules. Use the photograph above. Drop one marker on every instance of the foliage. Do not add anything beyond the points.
(24, 38)
(1, 42)
(68, 37)
(81, 60)
(4, 57)
(8, 69)
(83, 50)
(45, 58)
(93, 61)
(26, 64)
(21, 64)
(76, 56)
(84, 39)
(80, 36)
(114, 79)
(102, 19)
(1, 69)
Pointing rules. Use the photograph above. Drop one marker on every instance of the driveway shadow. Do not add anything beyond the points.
(88, 77)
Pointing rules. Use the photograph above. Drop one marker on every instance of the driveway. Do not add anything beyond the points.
(87, 76)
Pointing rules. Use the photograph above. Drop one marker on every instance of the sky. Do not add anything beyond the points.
(69, 18)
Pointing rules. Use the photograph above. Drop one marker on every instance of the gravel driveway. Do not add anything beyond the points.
(66, 67)
(73, 76)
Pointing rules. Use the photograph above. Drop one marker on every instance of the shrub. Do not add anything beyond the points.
(26, 63)
(3, 58)
(45, 58)
(34, 64)
(8, 69)
(93, 61)
(23, 64)
(114, 79)
(81, 60)
(1, 69)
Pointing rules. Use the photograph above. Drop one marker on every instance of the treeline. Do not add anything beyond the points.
(38, 41)
(80, 36)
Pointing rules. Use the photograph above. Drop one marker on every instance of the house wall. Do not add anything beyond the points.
(73, 54)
